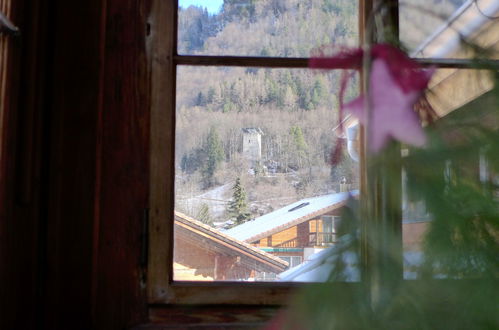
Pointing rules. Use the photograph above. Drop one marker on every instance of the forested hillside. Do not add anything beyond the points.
(268, 27)
(295, 109)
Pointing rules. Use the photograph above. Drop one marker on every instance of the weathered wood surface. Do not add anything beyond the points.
(210, 317)
(73, 105)
(161, 49)
(123, 168)
(268, 62)
(229, 293)
(19, 167)
(72, 203)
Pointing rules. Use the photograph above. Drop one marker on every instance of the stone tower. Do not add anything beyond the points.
(252, 144)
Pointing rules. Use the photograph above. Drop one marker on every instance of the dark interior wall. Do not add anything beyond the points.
(124, 167)
(74, 107)
(20, 170)
(73, 204)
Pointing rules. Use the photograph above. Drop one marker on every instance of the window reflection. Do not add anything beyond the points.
(450, 28)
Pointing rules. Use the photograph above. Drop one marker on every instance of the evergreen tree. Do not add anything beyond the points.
(195, 26)
(192, 161)
(214, 156)
(297, 149)
(238, 207)
(203, 214)
(184, 163)
(201, 99)
(299, 141)
(319, 92)
(210, 97)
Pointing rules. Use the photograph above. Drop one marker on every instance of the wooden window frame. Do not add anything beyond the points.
(164, 59)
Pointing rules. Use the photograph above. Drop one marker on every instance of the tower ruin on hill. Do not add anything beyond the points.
(252, 144)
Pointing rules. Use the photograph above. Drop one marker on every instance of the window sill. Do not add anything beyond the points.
(208, 317)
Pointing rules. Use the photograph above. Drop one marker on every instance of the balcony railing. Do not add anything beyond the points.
(289, 243)
(317, 239)
(314, 239)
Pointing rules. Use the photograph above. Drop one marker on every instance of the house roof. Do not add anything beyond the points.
(472, 19)
(253, 130)
(214, 240)
(319, 266)
(450, 88)
(288, 216)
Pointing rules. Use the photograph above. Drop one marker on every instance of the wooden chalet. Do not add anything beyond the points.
(202, 253)
(297, 230)
(306, 227)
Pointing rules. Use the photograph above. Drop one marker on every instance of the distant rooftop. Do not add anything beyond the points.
(217, 241)
(288, 216)
(468, 21)
(320, 265)
(253, 130)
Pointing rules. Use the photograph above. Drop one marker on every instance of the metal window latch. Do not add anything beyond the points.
(7, 27)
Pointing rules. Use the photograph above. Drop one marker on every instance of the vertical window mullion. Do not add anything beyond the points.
(381, 223)
(161, 47)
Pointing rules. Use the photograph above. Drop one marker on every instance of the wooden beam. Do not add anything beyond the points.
(247, 61)
(161, 43)
(122, 190)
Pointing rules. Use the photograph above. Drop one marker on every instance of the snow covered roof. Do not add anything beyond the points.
(253, 130)
(288, 216)
(469, 20)
(319, 266)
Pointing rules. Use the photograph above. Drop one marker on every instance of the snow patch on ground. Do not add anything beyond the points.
(216, 199)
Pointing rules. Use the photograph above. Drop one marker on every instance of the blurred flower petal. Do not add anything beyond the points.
(392, 110)
(396, 84)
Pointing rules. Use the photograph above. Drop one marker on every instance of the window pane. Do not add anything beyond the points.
(253, 175)
(450, 199)
(282, 28)
(415, 223)
(450, 28)
(451, 89)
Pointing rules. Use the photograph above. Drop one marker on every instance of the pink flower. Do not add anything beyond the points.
(396, 84)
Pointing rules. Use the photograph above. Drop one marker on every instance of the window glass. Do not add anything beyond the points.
(415, 222)
(453, 178)
(451, 89)
(253, 174)
(278, 28)
(292, 260)
(330, 229)
(450, 28)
